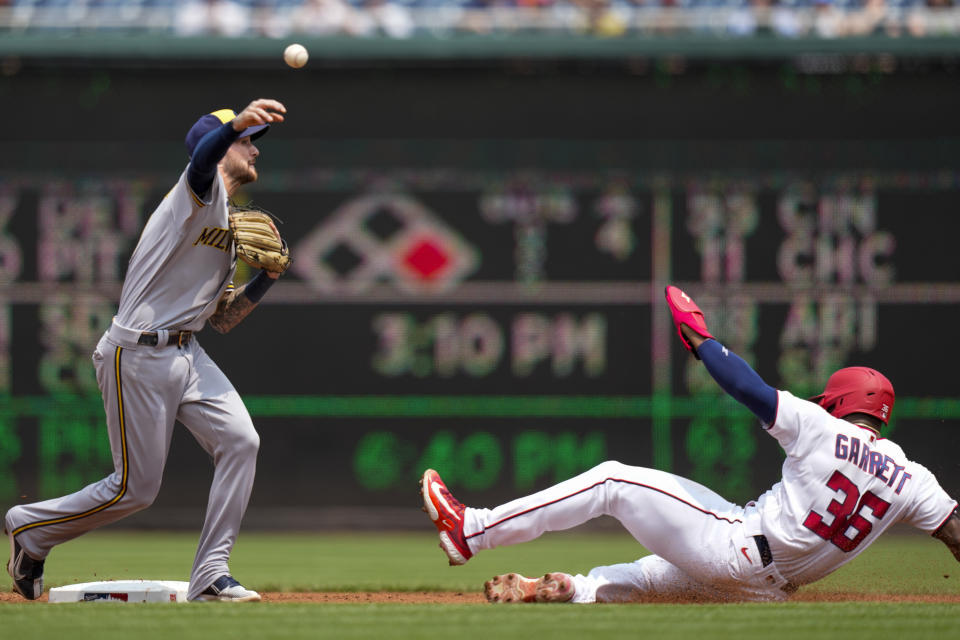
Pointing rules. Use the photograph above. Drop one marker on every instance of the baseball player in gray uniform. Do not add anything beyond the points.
(152, 371)
(842, 486)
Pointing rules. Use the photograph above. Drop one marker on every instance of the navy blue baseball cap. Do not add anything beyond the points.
(211, 121)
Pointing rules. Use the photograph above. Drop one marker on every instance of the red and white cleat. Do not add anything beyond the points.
(685, 311)
(515, 588)
(446, 512)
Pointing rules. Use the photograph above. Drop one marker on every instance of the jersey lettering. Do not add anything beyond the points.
(873, 462)
(215, 237)
(854, 450)
(841, 450)
(903, 481)
(884, 467)
(846, 514)
(876, 464)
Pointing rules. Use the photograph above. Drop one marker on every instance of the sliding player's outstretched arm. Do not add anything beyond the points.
(730, 371)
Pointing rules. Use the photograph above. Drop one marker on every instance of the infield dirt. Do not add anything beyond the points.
(453, 597)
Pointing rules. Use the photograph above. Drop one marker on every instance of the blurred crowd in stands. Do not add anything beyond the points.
(407, 18)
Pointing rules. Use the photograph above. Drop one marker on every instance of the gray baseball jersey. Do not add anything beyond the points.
(182, 264)
(180, 268)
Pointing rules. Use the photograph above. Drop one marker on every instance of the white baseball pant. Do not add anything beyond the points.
(700, 543)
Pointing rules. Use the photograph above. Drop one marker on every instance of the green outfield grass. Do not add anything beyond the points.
(411, 561)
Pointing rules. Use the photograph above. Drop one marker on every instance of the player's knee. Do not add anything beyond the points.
(141, 494)
(136, 491)
(248, 442)
(137, 502)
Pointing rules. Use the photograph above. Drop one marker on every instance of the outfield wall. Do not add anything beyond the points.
(480, 250)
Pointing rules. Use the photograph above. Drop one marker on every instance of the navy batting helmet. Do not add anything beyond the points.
(857, 390)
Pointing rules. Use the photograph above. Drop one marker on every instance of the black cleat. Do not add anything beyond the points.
(26, 572)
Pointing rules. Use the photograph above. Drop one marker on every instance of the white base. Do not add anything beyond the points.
(122, 591)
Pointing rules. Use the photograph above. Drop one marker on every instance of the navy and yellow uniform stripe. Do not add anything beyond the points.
(196, 199)
(124, 474)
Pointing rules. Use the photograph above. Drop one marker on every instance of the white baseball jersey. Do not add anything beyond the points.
(841, 488)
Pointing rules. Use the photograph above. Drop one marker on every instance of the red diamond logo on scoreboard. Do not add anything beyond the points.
(427, 257)
(420, 254)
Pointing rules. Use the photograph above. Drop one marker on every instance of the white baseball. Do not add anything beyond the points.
(296, 55)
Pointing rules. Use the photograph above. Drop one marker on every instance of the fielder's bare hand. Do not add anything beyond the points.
(260, 111)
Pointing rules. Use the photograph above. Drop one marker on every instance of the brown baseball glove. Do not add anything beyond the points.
(257, 241)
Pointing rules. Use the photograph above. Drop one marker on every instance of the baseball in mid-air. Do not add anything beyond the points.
(296, 55)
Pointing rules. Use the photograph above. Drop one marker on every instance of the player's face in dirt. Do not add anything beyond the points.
(239, 162)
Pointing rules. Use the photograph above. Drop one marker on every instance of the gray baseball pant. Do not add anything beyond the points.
(145, 391)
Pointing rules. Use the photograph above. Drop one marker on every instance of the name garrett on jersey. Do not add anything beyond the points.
(875, 463)
(215, 237)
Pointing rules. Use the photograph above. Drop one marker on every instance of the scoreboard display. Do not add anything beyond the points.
(494, 308)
